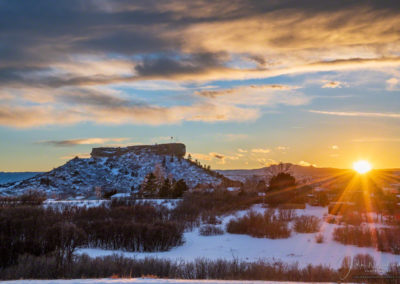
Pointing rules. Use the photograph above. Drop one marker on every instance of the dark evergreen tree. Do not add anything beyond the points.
(150, 187)
(179, 188)
(282, 181)
(165, 190)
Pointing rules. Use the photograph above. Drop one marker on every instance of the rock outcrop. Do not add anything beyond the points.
(171, 149)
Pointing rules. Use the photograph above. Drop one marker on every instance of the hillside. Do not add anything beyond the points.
(123, 169)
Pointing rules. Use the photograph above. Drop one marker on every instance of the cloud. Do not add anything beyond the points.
(60, 54)
(177, 39)
(241, 150)
(358, 114)
(260, 151)
(34, 116)
(335, 147)
(306, 164)
(214, 156)
(282, 148)
(392, 83)
(256, 95)
(217, 156)
(82, 141)
(332, 84)
(266, 162)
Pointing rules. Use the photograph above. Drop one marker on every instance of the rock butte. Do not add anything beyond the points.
(172, 149)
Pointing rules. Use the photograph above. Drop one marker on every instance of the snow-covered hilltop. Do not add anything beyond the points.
(122, 169)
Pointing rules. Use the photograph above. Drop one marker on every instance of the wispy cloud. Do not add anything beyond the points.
(392, 83)
(214, 156)
(358, 114)
(82, 141)
(332, 84)
(306, 164)
(260, 151)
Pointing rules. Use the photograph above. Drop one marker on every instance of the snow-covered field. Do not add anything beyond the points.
(300, 248)
(141, 281)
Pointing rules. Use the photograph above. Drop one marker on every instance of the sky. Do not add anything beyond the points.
(244, 84)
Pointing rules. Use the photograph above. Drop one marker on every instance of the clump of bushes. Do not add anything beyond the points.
(307, 224)
(350, 235)
(31, 198)
(266, 225)
(352, 218)
(41, 231)
(361, 268)
(210, 230)
(383, 239)
(216, 203)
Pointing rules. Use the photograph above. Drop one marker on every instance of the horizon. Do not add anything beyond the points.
(243, 85)
(227, 169)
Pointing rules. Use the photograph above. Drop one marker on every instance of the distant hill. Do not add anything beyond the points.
(302, 173)
(122, 169)
(307, 174)
(10, 177)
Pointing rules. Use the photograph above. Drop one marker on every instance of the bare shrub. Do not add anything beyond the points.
(319, 238)
(39, 231)
(43, 267)
(190, 209)
(210, 230)
(257, 225)
(210, 217)
(286, 215)
(307, 224)
(384, 239)
(362, 267)
(352, 218)
(363, 263)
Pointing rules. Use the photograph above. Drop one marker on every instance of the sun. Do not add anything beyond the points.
(362, 166)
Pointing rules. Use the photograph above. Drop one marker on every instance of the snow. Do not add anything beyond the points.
(169, 203)
(120, 195)
(142, 281)
(300, 248)
(233, 188)
(79, 203)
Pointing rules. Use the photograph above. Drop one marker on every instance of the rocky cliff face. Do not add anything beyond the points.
(123, 169)
(171, 149)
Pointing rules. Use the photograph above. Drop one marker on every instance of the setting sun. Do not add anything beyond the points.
(362, 166)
